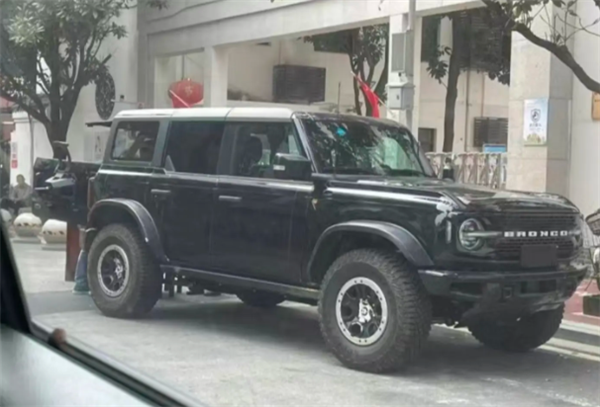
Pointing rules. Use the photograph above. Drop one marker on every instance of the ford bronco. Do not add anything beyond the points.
(339, 211)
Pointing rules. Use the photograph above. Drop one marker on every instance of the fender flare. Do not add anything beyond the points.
(404, 240)
(141, 216)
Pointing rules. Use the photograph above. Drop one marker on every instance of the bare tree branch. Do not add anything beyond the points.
(563, 54)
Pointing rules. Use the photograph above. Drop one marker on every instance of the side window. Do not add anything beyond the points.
(135, 141)
(193, 147)
(255, 146)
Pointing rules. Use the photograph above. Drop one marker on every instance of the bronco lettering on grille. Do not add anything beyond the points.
(535, 233)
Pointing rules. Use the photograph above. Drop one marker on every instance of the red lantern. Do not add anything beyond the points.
(186, 93)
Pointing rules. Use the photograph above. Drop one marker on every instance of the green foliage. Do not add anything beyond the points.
(51, 50)
(366, 47)
(560, 21)
(484, 45)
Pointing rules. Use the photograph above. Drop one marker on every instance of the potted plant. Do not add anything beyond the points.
(591, 303)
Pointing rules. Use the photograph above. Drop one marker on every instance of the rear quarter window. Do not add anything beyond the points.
(135, 141)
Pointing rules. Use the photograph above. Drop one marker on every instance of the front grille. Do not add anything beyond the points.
(510, 248)
(535, 221)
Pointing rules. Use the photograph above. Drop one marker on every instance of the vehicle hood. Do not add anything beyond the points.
(466, 197)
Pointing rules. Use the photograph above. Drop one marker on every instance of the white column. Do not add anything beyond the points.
(535, 73)
(216, 64)
(584, 185)
(398, 25)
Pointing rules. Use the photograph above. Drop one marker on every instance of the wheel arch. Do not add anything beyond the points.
(343, 237)
(109, 211)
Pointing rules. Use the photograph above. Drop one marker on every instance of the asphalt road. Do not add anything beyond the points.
(227, 354)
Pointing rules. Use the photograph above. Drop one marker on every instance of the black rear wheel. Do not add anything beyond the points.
(375, 313)
(123, 276)
(522, 335)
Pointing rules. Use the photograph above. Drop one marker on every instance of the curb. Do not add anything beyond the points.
(580, 333)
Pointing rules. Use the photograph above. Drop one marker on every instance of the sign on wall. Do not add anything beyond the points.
(14, 156)
(535, 122)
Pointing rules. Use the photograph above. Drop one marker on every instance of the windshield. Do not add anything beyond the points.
(343, 145)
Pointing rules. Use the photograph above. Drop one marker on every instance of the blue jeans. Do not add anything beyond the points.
(81, 281)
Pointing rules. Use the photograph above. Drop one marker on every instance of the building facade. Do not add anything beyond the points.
(232, 47)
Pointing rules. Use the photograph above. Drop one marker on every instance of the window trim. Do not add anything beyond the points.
(108, 158)
(163, 153)
(226, 159)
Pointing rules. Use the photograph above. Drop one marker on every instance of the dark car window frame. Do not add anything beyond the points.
(164, 144)
(15, 315)
(229, 134)
(158, 146)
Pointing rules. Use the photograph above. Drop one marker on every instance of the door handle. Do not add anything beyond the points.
(160, 192)
(229, 198)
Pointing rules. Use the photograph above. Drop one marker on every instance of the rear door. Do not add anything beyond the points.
(184, 195)
(254, 211)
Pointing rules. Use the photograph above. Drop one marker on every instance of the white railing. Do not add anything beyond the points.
(487, 169)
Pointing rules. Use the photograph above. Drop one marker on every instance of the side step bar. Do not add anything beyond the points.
(228, 281)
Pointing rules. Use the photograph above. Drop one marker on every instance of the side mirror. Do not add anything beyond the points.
(292, 167)
(594, 222)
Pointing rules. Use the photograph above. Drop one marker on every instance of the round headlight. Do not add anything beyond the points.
(466, 234)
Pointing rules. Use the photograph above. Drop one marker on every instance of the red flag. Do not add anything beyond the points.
(371, 96)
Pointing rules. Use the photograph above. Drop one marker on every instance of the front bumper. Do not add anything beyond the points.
(503, 294)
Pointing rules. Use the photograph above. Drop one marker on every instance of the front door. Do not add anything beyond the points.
(184, 195)
(254, 211)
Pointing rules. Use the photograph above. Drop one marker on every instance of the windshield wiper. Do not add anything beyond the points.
(406, 172)
(349, 171)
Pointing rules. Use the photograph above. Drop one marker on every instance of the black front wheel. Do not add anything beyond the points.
(526, 333)
(375, 313)
(124, 278)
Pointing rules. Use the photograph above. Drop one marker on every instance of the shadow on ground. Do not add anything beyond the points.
(297, 328)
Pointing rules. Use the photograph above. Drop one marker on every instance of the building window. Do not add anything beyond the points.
(431, 38)
(490, 130)
(427, 140)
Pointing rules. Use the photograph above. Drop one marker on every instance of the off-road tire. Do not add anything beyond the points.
(261, 299)
(144, 286)
(409, 310)
(525, 334)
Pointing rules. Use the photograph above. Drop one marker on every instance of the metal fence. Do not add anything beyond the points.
(487, 169)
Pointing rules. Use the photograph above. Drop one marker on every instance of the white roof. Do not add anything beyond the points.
(235, 113)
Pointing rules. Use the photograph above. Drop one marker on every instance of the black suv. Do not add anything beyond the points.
(339, 211)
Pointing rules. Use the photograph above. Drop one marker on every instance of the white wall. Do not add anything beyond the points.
(251, 71)
(485, 98)
(584, 171)
(123, 68)
(22, 137)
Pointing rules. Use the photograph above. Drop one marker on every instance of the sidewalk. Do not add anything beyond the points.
(574, 307)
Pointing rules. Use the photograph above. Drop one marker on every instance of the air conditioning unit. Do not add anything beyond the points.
(298, 84)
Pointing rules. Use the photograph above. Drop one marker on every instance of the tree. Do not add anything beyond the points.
(51, 51)
(366, 47)
(563, 22)
(479, 42)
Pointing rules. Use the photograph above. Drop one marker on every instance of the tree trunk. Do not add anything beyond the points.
(452, 87)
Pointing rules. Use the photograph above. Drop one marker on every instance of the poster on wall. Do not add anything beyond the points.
(535, 122)
(14, 160)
